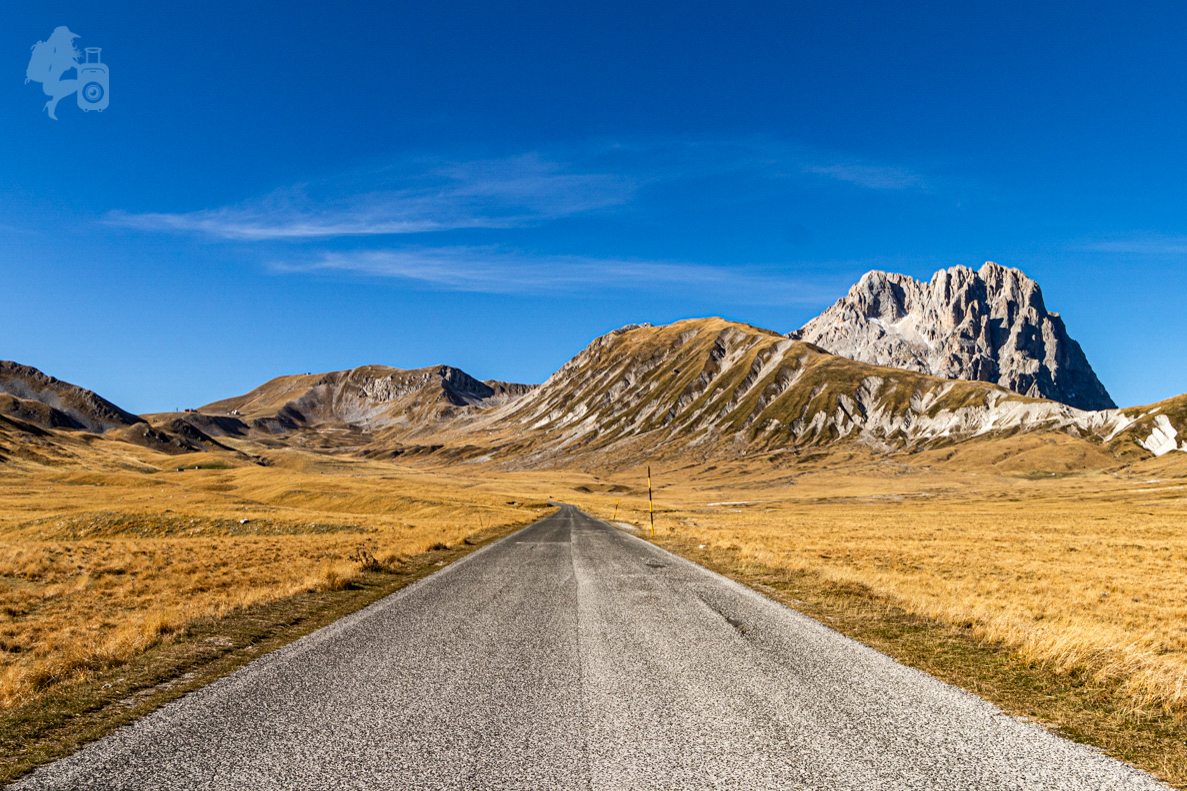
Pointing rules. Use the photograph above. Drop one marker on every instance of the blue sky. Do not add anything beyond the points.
(280, 188)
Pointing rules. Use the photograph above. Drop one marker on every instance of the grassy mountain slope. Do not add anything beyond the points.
(366, 398)
(708, 387)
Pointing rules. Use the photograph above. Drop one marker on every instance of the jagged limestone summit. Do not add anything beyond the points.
(989, 325)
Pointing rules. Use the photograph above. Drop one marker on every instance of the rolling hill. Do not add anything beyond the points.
(31, 396)
(372, 396)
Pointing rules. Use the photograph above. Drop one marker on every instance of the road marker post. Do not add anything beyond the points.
(650, 502)
(616, 502)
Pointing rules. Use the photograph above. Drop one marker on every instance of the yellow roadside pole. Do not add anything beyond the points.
(650, 502)
(615, 510)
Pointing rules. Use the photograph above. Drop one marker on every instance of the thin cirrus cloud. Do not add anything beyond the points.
(504, 193)
(875, 177)
(497, 193)
(493, 270)
(1142, 244)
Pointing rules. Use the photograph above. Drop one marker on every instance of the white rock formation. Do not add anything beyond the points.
(989, 325)
(1163, 439)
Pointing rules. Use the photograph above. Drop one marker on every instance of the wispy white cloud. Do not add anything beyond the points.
(509, 192)
(493, 270)
(1145, 244)
(875, 177)
(495, 193)
(773, 160)
(254, 224)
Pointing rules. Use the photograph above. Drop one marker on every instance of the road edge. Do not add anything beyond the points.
(1066, 706)
(68, 718)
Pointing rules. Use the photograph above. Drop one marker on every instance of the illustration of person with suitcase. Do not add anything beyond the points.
(50, 62)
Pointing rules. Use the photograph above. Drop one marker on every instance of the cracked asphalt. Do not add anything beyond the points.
(571, 655)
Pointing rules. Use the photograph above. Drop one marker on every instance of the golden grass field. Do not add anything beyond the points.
(1079, 571)
(1077, 563)
(97, 566)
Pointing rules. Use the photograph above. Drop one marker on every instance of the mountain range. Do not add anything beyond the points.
(895, 366)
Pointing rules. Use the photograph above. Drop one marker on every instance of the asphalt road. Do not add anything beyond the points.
(573, 656)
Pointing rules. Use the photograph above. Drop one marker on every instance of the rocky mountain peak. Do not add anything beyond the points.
(46, 401)
(370, 397)
(986, 325)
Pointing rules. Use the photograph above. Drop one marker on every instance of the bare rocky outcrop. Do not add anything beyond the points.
(989, 325)
(506, 390)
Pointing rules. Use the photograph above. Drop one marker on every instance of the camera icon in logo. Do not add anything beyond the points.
(93, 85)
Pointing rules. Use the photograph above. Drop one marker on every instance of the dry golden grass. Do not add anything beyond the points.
(1081, 572)
(97, 566)
(1043, 543)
